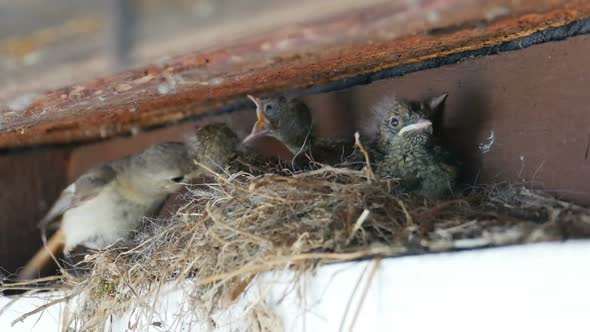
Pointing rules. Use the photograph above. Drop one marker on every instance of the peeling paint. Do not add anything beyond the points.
(169, 86)
(216, 81)
(123, 87)
(166, 88)
(144, 79)
(21, 103)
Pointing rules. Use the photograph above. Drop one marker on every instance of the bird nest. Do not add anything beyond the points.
(238, 225)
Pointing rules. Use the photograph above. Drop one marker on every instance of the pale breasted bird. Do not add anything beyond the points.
(410, 152)
(289, 120)
(109, 202)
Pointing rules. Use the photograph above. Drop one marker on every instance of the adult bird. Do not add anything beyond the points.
(109, 202)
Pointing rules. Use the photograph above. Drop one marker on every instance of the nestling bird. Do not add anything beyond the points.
(109, 202)
(215, 146)
(410, 152)
(290, 122)
(218, 148)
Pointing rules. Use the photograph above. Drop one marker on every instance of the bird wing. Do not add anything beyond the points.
(86, 187)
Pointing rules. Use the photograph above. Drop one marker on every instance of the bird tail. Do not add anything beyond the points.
(44, 257)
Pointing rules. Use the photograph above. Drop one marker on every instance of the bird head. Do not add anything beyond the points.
(214, 146)
(403, 122)
(287, 120)
(159, 170)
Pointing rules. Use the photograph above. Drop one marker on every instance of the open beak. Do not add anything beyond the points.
(420, 125)
(261, 127)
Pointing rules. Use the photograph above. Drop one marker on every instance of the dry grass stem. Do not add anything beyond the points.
(372, 273)
(359, 222)
(357, 142)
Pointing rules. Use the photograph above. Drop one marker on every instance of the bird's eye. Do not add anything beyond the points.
(394, 122)
(268, 108)
(177, 179)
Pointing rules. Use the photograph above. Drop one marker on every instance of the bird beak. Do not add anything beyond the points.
(255, 100)
(420, 125)
(262, 126)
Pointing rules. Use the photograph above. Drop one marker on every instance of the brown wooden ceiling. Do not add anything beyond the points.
(353, 47)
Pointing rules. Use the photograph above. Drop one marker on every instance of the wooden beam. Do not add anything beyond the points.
(366, 43)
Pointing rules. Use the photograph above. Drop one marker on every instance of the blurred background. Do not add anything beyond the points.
(41, 41)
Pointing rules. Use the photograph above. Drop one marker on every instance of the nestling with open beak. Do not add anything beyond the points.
(290, 122)
(405, 138)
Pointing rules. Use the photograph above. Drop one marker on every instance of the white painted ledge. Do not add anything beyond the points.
(541, 287)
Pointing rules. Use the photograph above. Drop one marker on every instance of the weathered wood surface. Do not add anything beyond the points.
(30, 182)
(333, 49)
